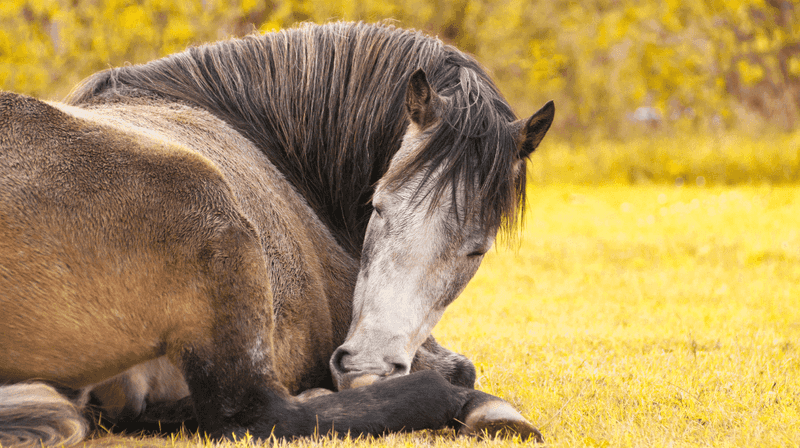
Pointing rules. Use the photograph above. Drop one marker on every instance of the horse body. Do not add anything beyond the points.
(308, 272)
(148, 256)
(167, 211)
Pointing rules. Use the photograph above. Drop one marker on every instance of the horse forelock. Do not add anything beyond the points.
(326, 104)
(471, 149)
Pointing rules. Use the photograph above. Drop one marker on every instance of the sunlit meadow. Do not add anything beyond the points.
(634, 316)
(649, 316)
(653, 296)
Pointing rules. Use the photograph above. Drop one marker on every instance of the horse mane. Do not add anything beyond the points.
(326, 105)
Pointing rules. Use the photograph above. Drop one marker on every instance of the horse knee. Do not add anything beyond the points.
(454, 367)
(459, 370)
(126, 396)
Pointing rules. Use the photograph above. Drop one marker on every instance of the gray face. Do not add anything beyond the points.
(420, 249)
(417, 258)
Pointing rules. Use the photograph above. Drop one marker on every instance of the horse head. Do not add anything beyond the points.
(458, 177)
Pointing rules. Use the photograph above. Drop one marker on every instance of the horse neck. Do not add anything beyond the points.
(324, 103)
(334, 131)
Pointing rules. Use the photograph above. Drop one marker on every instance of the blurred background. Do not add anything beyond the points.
(702, 91)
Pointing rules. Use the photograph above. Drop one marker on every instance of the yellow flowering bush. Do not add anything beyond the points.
(616, 69)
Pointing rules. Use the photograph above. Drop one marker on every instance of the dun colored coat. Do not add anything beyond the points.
(202, 225)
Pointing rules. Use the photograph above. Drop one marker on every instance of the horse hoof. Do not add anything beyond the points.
(499, 419)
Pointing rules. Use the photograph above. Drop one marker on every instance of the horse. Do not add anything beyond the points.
(247, 225)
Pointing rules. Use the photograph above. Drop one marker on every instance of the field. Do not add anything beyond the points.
(655, 316)
(635, 316)
(653, 298)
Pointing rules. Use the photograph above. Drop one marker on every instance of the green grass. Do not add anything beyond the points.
(635, 316)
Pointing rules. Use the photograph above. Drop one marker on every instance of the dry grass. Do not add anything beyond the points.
(649, 316)
(688, 158)
(635, 316)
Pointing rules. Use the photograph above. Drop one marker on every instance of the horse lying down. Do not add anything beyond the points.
(245, 221)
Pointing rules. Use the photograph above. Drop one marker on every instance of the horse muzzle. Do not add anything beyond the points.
(351, 369)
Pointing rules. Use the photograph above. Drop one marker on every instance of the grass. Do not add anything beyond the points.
(690, 158)
(644, 316)
(633, 316)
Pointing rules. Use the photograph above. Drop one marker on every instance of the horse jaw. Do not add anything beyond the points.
(416, 259)
(390, 322)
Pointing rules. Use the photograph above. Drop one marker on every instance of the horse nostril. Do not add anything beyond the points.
(337, 360)
(398, 368)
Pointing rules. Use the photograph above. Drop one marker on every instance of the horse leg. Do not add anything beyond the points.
(454, 367)
(127, 395)
(420, 400)
(151, 397)
(483, 412)
(231, 376)
(152, 392)
(230, 369)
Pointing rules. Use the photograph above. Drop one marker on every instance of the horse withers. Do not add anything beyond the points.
(247, 221)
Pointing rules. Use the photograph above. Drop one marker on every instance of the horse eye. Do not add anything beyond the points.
(379, 211)
(476, 254)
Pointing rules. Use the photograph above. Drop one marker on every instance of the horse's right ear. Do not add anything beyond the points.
(534, 130)
(420, 100)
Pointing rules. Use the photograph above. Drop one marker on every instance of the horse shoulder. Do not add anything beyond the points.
(111, 237)
(310, 275)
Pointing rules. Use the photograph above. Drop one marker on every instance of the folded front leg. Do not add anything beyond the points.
(421, 400)
(454, 367)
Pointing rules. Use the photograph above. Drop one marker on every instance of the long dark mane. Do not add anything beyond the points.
(326, 104)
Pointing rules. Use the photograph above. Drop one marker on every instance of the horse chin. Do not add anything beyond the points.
(356, 380)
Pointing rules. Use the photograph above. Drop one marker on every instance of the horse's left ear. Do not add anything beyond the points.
(420, 100)
(534, 130)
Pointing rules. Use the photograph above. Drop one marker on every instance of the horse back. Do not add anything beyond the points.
(102, 240)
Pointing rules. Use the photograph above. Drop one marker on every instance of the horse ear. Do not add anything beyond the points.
(534, 130)
(420, 100)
